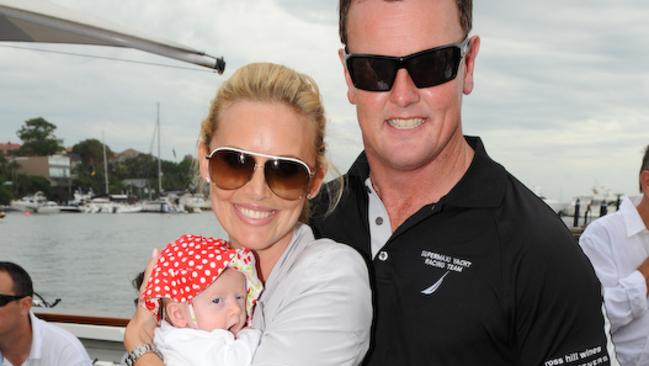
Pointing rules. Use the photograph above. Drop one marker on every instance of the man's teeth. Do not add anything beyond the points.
(254, 214)
(405, 123)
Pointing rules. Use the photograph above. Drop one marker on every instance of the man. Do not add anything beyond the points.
(25, 339)
(618, 246)
(469, 267)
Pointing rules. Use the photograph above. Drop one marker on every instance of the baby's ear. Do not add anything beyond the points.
(177, 314)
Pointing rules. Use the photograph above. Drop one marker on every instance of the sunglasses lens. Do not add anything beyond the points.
(372, 73)
(231, 169)
(287, 179)
(435, 67)
(5, 299)
(429, 68)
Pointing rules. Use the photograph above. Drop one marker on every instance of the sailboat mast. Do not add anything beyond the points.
(159, 161)
(103, 144)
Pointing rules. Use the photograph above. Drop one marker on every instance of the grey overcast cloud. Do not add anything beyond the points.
(561, 97)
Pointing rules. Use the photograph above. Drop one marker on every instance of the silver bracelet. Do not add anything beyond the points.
(129, 358)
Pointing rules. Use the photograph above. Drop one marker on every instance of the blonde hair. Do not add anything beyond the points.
(268, 82)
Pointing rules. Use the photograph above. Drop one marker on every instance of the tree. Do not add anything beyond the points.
(5, 180)
(91, 152)
(37, 135)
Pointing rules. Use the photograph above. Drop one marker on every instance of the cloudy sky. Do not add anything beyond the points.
(561, 97)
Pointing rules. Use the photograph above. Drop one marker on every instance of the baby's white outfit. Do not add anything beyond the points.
(195, 347)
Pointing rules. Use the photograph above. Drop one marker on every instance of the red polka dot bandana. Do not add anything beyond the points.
(190, 264)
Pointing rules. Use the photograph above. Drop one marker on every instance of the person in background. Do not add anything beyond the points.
(618, 246)
(469, 266)
(26, 340)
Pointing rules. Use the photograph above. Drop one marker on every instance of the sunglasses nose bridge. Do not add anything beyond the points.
(404, 91)
(258, 183)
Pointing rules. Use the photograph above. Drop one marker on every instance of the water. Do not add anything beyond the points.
(89, 260)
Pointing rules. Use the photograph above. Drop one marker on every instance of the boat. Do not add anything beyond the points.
(78, 204)
(29, 202)
(102, 337)
(194, 203)
(49, 207)
(160, 205)
(112, 204)
(589, 207)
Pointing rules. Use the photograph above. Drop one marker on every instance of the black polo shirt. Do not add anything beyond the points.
(489, 275)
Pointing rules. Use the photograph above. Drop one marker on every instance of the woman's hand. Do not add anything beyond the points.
(141, 327)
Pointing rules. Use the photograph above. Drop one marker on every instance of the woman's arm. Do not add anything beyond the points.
(320, 313)
(141, 327)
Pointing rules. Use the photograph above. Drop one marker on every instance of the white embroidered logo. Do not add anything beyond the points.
(435, 286)
(442, 261)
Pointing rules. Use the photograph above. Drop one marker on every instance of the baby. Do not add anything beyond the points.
(206, 291)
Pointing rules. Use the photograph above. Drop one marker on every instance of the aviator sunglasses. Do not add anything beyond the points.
(232, 168)
(426, 68)
(5, 299)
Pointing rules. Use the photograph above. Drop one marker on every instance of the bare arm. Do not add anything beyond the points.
(141, 327)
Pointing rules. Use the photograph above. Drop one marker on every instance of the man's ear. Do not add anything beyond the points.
(203, 163)
(644, 182)
(177, 314)
(351, 90)
(316, 181)
(25, 304)
(469, 62)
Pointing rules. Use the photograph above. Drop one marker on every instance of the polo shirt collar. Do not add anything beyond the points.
(483, 184)
(37, 338)
(360, 168)
(632, 220)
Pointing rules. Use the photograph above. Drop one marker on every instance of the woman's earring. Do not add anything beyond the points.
(208, 180)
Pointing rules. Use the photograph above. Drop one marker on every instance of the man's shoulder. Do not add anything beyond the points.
(529, 226)
(60, 343)
(605, 224)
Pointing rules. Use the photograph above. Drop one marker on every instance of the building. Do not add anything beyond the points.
(56, 168)
(125, 155)
(9, 149)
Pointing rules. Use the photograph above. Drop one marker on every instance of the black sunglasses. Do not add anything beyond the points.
(426, 68)
(5, 299)
(232, 168)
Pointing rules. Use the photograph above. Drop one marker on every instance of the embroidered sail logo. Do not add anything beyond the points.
(439, 261)
(435, 286)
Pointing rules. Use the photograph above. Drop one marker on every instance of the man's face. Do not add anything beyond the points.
(13, 312)
(405, 128)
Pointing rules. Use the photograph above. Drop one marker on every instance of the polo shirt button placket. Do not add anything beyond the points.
(383, 256)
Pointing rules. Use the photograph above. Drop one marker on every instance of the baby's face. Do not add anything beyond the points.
(222, 305)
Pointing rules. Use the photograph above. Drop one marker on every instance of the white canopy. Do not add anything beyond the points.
(41, 21)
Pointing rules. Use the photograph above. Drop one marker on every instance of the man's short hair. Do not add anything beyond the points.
(22, 283)
(464, 7)
(645, 163)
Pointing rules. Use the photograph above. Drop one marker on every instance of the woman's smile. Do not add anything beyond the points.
(254, 215)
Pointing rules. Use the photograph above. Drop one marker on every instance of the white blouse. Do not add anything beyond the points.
(316, 307)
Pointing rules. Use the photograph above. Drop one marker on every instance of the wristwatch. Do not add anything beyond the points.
(129, 358)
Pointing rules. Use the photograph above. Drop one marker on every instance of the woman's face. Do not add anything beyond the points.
(254, 216)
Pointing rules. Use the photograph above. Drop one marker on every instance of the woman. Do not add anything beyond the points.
(262, 150)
